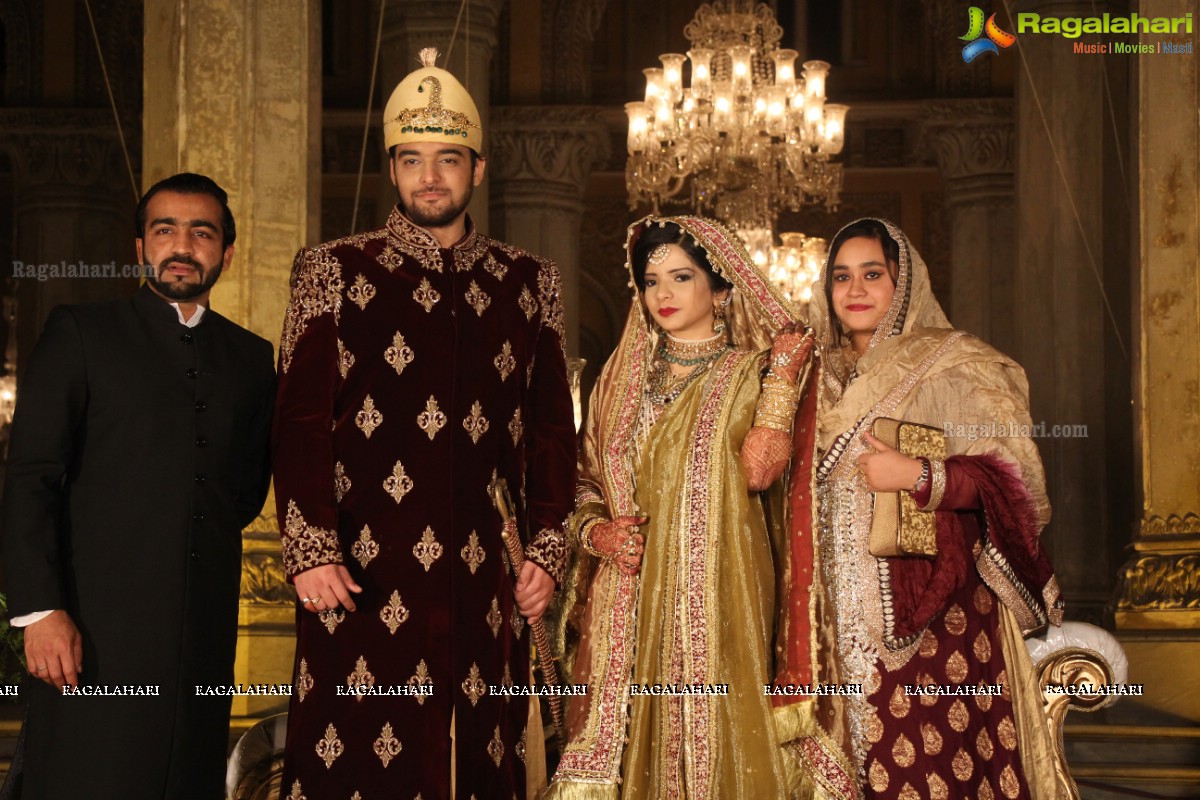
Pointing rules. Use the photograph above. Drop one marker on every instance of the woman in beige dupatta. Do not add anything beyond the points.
(954, 619)
(670, 459)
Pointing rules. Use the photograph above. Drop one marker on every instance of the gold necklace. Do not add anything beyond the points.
(690, 352)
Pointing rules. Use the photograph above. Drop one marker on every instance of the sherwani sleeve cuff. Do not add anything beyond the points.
(306, 546)
(26, 620)
(549, 551)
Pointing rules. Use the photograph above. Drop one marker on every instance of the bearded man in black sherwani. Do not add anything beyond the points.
(138, 454)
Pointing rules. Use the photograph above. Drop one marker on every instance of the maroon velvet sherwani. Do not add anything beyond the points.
(411, 376)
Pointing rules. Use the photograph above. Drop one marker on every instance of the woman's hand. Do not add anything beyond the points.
(887, 469)
(620, 541)
(790, 351)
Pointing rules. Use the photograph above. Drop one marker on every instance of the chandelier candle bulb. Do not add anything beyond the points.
(722, 119)
(701, 59)
(815, 73)
(654, 85)
(785, 68)
(672, 68)
(743, 76)
(835, 128)
(639, 126)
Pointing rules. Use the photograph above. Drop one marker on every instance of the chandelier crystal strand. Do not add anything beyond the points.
(748, 136)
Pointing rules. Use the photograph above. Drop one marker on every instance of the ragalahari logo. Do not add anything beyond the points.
(996, 36)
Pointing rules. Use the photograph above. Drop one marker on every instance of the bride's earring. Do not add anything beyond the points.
(718, 318)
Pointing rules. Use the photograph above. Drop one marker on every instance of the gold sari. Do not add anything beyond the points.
(700, 613)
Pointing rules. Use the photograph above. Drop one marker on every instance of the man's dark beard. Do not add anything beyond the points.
(438, 220)
(180, 291)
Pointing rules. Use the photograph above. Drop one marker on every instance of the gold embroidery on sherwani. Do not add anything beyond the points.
(493, 266)
(394, 614)
(421, 678)
(305, 546)
(962, 765)
(317, 290)
(495, 747)
(474, 687)
(361, 292)
(472, 553)
(527, 303)
(341, 483)
(938, 790)
(398, 483)
(477, 298)
(368, 418)
(985, 791)
(907, 792)
(903, 752)
(345, 359)
(387, 746)
(899, 704)
(331, 618)
(1002, 679)
(983, 599)
(956, 667)
(365, 548)
(329, 748)
(516, 427)
(360, 678)
(431, 420)
(958, 715)
(304, 681)
(984, 701)
(505, 363)
(878, 775)
(925, 679)
(1009, 783)
(494, 619)
(476, 423)
(296, 793)
(426, 295)
(983, 647)
(931, 740)
(550, 297)
(427, 550)
(507, 680)
(517, 622)
(1006, 732)
(874, 728)
(956, 620)
(399, 355)
(983, 745)
(521, 744)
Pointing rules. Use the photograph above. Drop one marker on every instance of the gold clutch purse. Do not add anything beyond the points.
(898, 526)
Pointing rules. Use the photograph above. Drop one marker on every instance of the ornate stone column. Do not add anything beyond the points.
(1070, 330)
(541, 159)
(415, 24)
(974, 141)
(233, 91)
(1158, 607)
(72, 203)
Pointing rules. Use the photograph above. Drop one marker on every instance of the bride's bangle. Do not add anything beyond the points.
(585, 536)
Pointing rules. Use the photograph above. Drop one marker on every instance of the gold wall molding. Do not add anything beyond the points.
(1171, 525)
(1160, 582)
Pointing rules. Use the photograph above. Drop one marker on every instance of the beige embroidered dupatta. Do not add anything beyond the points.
(706, 603)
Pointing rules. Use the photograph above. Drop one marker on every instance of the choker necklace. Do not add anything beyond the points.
(690, 352)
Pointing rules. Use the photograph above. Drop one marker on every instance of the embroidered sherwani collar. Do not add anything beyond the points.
(412, 234)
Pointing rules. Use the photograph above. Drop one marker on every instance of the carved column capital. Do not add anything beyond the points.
(974, 142)
(558, 146)
(56, 148)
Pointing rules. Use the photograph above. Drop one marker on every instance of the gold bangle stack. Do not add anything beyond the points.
(585, 536)
(937, 484)
(777, 404)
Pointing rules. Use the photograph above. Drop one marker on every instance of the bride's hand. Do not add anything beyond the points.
(789, 351)
(620, 541)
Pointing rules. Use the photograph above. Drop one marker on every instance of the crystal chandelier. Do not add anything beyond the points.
(751, 136)
(792, 266)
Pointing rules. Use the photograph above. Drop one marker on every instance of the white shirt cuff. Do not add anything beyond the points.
(28, 619)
